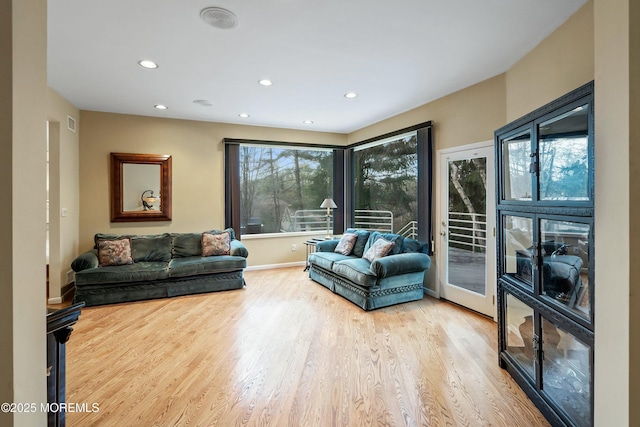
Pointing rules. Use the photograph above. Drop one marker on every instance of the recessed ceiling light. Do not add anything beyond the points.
(243, 115)
(148, 64)
(350, 95)
(308, 122)
(265, 82)
(161, 107)
(203, 102)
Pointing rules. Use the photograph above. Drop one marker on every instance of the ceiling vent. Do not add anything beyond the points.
(219, 18)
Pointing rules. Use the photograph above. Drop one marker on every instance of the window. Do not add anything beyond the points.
(275, 188)
(386, 185)
(281, 189)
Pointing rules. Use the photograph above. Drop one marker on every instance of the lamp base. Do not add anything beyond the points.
(329, 234)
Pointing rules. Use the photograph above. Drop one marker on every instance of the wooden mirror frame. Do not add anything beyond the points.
(118, 214)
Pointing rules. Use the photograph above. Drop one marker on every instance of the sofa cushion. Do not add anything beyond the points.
(191, 266)
(361, 242)
(137, 272)
(144, 248)
(400, 264)
(216, 243)
(326, 259)
(411, 245)
(356, 270)
(190, 244)
(114, 252)
(186, 245)
(346, 243)
(379, 249)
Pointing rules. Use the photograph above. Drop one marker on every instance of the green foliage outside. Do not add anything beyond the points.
(275, 182)
(386, 178)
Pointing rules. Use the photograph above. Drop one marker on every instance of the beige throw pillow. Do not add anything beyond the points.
(114, 252)
(346, 243)
(216, 243)
(379, 249)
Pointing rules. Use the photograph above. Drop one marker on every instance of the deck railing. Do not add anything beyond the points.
(468, 231)
(316, 220)
(373, 220)
(409, 230)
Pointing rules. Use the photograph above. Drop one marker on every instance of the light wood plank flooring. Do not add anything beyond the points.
(285, 351)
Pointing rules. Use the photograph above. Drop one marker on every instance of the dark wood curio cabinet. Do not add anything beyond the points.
(545, 244)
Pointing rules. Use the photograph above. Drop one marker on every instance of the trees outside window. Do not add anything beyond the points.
(279, 187)
(386, 179)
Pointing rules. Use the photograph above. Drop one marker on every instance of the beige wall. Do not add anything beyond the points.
(23, 88)
(64, 191)
(197, 168)
(560, 63)
(464, 117)
(617, 236)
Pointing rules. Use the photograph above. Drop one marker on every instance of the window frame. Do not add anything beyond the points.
(343, 193)
(232, 183)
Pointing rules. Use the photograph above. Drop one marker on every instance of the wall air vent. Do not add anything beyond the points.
(71, 123)
(219, 18)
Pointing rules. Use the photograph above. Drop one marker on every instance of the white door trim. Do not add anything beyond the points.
(440, 253)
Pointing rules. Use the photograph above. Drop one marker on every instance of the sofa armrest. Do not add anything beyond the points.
(85, 261)
(239, 249)
(392, 265)
(327, 245)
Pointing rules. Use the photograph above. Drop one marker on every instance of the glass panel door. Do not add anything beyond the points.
(565, 264)
(566, 372)
(516, 172)
(564, 165)
(520, 333)
(467, 228)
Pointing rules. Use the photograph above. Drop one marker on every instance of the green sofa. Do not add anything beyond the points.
(163, 265)
(395, 278)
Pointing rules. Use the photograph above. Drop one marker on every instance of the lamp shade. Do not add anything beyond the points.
(329, 204)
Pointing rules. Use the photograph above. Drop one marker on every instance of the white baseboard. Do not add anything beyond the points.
(271, 266)
(55, 300)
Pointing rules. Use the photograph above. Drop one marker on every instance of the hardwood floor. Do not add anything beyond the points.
(285, 351)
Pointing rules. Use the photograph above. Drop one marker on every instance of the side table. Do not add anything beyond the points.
(311, 248)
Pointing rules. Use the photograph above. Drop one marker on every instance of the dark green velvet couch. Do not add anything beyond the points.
(164, 265)
(393, 279)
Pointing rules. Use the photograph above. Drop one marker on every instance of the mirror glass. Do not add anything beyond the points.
(140, 187)
(138, 180)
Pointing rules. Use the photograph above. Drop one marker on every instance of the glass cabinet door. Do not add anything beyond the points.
(566, 372)
(517, 248)
(519, 334)
(516, 160)
(563, 156)
(565, 264)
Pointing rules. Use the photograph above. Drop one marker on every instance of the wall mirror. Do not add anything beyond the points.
(140, 187)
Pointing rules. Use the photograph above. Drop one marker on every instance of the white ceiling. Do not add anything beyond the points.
(396, 55)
